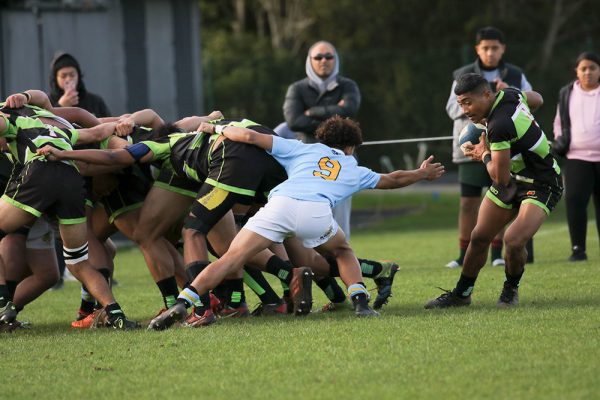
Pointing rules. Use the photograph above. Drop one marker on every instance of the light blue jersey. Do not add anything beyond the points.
(319, 173)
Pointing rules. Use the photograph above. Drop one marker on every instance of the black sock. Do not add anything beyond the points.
(4, 295)
(279, 268)
(256, 281)
(237, 296)
(332, 289)
(358, 293)
(169, 290)
(199, 307)
(370, 268)
(113, 311)
(333, 267)
(193, 269)
(513, 280)
(12, 288)
(223, 291)
(464, 286)
(87, 301)
(496, 249)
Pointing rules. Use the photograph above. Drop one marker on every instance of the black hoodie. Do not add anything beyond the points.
(88, 101)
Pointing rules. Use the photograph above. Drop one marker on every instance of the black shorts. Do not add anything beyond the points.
(53, 188)
(128, 195)
(543, 195)
(168, 180)
(246, 170)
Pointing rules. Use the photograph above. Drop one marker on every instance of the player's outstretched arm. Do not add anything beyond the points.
(190, 124)
(397, 179)
(239, 134)
(101, 157)
(95, 134)
(77, 116)
(31, 96)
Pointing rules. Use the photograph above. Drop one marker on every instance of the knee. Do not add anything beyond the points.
(514, 242)
(479, 239)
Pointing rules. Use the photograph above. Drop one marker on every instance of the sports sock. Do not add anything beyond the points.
(514, 280)
(280, 268)
(190, 297)
(4, 295)
(256, 281)
(496, 249)
(87, 302)
(12, 288)
(223, 291)
(370, 268)
(168, 290)
(462, 245)
(193, 269)
(333, 267)
(464, 286)
(332, 289)
(114, 311)
(358, 293)
(237, 296)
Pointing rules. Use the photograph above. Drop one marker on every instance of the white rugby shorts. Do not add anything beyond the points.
(282, 217)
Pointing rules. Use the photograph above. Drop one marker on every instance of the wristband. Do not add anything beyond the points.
(27, 96)
(220, 128)
(486, 157)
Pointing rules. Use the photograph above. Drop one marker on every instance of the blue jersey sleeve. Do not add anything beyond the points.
(368, 178)
(284, 147)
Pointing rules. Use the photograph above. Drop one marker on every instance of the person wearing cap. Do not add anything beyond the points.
(68, 90)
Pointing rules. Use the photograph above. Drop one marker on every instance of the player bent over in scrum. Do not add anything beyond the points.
(319, 175)
(50, 186)
(526, 183)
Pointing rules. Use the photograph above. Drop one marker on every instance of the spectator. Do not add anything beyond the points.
(577, 137)
(319, 96)
(473, 176)
(68, 90)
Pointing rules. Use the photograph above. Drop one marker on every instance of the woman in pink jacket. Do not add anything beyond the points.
(577, 137)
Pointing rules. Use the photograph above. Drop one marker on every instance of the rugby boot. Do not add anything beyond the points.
(177, 312)
(264, 310)
(509, 296)
(198, 321)
(384, 282)
(301, 290)
(234, 312)
(448, 299)
(8, 313)
(362, 309)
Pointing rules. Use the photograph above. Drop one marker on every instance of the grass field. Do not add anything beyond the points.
(547, 348)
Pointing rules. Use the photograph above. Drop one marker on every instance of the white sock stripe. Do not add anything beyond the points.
(71, 261)
(66, 249)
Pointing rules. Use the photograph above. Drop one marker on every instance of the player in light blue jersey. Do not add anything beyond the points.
(319, 176)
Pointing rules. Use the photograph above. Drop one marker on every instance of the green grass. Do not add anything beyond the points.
(546, 348)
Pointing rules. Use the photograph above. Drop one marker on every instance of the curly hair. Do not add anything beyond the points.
(339, 133)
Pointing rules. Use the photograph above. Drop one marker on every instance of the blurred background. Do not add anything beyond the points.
(186, 57)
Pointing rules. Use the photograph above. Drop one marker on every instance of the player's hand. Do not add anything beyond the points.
(16, 100)
(50, 153)
(124, 126)
(215, 115)
(432, 170)
(475, 151)
(206, 128)
(341, 103)
(500, 84)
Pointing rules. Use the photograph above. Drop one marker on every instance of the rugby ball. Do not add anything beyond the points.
(471, 134)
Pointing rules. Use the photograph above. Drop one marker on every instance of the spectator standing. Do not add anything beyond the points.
(577, 137)
(473, 176)
(68, 90)
(321, 95)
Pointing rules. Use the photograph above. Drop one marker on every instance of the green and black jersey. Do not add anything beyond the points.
(511, 126)
(25, 135)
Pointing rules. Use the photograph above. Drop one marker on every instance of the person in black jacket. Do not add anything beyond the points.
(319, 96)
(68, 90)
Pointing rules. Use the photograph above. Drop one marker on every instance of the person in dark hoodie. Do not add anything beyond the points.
(68, 90)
